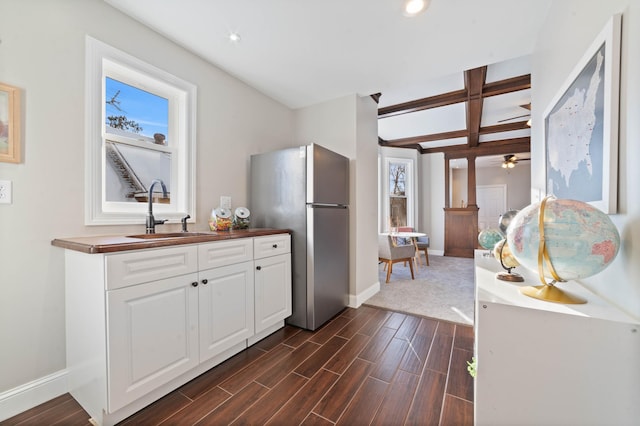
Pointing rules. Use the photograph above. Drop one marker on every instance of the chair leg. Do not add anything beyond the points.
(417, 255)
(426, 255)
(389, 268)
(411, 267)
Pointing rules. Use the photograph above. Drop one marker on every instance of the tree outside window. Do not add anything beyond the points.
(397, 194)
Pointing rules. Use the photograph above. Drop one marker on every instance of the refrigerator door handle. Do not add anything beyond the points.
(330, 206)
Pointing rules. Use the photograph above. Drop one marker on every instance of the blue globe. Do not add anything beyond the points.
(489, 237)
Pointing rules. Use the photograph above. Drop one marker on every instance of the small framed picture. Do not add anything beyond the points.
(9, 124)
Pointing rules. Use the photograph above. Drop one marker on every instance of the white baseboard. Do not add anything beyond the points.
(436, 252)
(356, 300)
(16, 400)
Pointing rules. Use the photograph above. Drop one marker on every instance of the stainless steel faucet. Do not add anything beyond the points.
(151, 221)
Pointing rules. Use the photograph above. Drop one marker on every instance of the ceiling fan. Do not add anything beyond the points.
(510, 161)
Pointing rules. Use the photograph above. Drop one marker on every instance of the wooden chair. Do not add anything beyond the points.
(389, 253)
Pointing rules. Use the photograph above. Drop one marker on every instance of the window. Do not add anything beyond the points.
(140, 127)
(397, 194)
(397, 190)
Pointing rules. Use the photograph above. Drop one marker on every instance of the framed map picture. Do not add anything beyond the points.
(581, 126)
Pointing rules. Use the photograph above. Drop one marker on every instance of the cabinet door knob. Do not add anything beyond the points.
(205, 281)
(258, 267)
(194, 284)
(275, 246)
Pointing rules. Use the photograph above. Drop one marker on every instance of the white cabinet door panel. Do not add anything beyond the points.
(273, 290)
(226, 308)
(152, 336)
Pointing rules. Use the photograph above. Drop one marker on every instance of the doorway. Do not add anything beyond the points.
(492, 202)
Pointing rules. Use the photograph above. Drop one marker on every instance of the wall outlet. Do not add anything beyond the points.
(5, 192)
(225, 202)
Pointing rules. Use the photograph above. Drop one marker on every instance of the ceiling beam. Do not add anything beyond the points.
(425, 138)
(412, 141)
(473, 84)
(507, 127)
(500, 87)
(436, 101)
(504, 146)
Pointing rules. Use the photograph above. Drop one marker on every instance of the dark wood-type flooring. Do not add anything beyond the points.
(366, 366)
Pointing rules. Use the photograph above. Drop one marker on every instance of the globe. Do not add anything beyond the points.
(489, 237)
(505, 220)
(580, 240)
(502, 249)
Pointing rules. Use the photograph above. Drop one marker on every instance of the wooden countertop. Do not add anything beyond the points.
(117, 243)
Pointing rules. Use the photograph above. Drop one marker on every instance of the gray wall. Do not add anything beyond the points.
(352, 132)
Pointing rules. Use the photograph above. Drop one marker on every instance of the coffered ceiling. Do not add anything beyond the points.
(484, 112)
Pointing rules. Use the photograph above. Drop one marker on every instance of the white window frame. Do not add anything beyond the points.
(409, 190)
(104, 61)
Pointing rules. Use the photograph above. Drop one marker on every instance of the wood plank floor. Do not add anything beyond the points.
(366, 367)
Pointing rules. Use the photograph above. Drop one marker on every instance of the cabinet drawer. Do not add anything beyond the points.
(137, 267)
(221, 253)
(271, 245)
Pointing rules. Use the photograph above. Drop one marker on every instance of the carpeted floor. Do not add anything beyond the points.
(442, 290)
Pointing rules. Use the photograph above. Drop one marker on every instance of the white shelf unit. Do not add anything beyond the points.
(542, 363)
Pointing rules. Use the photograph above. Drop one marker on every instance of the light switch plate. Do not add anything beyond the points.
(5, 192)
(225, 202)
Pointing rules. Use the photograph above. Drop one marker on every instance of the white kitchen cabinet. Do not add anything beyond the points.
(141, 323)
(152, 336)
(272, 280)
(542, 363)
(226, 301)
(273, 290)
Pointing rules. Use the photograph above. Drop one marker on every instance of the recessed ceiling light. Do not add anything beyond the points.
(234, 37)
(414, 7)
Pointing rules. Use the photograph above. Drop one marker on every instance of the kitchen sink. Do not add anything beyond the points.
(169, 235)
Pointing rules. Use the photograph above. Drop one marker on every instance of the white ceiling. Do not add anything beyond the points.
(303, 52)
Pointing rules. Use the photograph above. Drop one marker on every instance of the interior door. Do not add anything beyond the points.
(492, 202)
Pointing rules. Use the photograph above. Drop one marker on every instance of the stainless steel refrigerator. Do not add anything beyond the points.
(306, 189)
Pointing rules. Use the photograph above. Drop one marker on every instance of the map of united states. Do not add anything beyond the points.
(571, 127)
